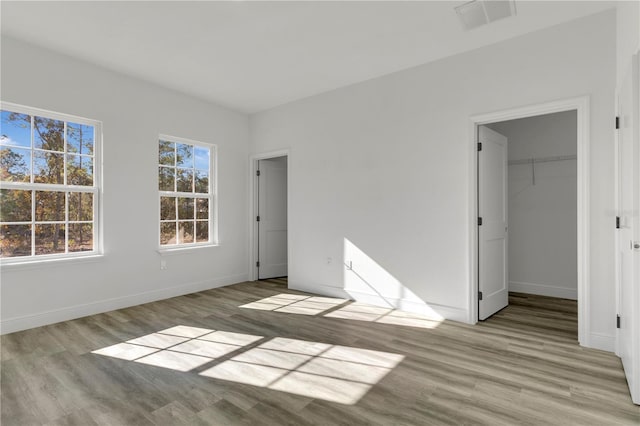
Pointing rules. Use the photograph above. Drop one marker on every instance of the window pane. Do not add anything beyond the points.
(167, 208)
(48, 134)
(80, 237)
(80, 138)
(201, 157)
(80, 206)
(185, 208)
(167, 176)
(50, 239)
(202, 181)
(185, 155)
(185, 232)
(202, 231)
(79, 170)
(48, 167)
(184, 168)
(37, 150)
(16, 129)
(15, 240)
(15, 164)
(185, 180)
(15, 205)
(202, 210)
(50, 206)
(167, 233)
(167, 155)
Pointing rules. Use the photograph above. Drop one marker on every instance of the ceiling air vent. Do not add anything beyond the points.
(480, 12)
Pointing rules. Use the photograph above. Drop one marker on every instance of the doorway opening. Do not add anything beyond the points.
(270, 243)
(530, 220)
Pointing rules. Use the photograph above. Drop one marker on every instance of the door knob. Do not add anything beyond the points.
(636, 246)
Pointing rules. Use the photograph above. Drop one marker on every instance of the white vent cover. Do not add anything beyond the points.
(480, 12)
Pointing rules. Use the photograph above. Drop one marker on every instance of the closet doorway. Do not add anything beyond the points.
(530, 224)
(269, 237)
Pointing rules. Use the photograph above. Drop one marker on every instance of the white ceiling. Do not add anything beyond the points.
(252, 56)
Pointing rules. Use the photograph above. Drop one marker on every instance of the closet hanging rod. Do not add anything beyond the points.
(543, 159)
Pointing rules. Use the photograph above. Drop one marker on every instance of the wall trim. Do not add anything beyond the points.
(603, 342)
(10, 325)
(582, 108)
(544, 290)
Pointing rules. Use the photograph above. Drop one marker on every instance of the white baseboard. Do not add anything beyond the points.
(423, 308)
(603, 342)
(544, 290)
(10, 325)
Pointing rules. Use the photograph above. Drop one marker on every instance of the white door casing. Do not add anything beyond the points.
(582, 106)
(492, 232)
(627, 256)
(272, 210)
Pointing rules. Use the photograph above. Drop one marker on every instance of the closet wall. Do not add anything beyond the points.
(542, 204)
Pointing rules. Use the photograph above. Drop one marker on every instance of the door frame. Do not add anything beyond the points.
(581, 106)
(253, 207)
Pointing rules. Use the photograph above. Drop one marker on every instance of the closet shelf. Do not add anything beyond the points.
(543, 159)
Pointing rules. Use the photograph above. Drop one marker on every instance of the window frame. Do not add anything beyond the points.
(212, 195)
(95, 189)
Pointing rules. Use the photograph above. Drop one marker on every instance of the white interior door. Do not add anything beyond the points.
(272, 213)
(492, 230)
(628, 182)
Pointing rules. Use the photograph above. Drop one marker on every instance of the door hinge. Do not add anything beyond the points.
(257, 264)
(257, 218)
(617, 321)
(479, 295)
(617, 222)
(257, 172)
(617, 122)
(479, 146)
(479, 221)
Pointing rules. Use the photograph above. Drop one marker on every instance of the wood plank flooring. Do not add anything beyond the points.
(522, 366)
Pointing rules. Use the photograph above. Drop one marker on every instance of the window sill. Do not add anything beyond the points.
(21, 265)
(166, 251)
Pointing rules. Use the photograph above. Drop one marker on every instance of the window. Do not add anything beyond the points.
(185, 182)
(49, 184)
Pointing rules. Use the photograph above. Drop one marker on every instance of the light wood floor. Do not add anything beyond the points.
(522, 366)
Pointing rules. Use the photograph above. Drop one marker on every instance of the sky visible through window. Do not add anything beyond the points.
(15, 132)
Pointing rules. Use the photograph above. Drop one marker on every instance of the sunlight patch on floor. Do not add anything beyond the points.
(361, 312)
(314, 305)
(332, 373)
(295, 304)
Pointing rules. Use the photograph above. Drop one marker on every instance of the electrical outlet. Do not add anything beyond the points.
(163, 265)
(329, 260)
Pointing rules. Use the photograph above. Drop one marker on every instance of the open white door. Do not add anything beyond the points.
(493, 291)
(272, 214)
(628, 256)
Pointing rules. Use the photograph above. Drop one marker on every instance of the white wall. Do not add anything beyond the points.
(133, 113)
(542, 215)
(628, 35)
(385, 164)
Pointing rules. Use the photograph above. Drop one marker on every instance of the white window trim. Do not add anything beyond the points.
(96, 189)
(212, 195)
